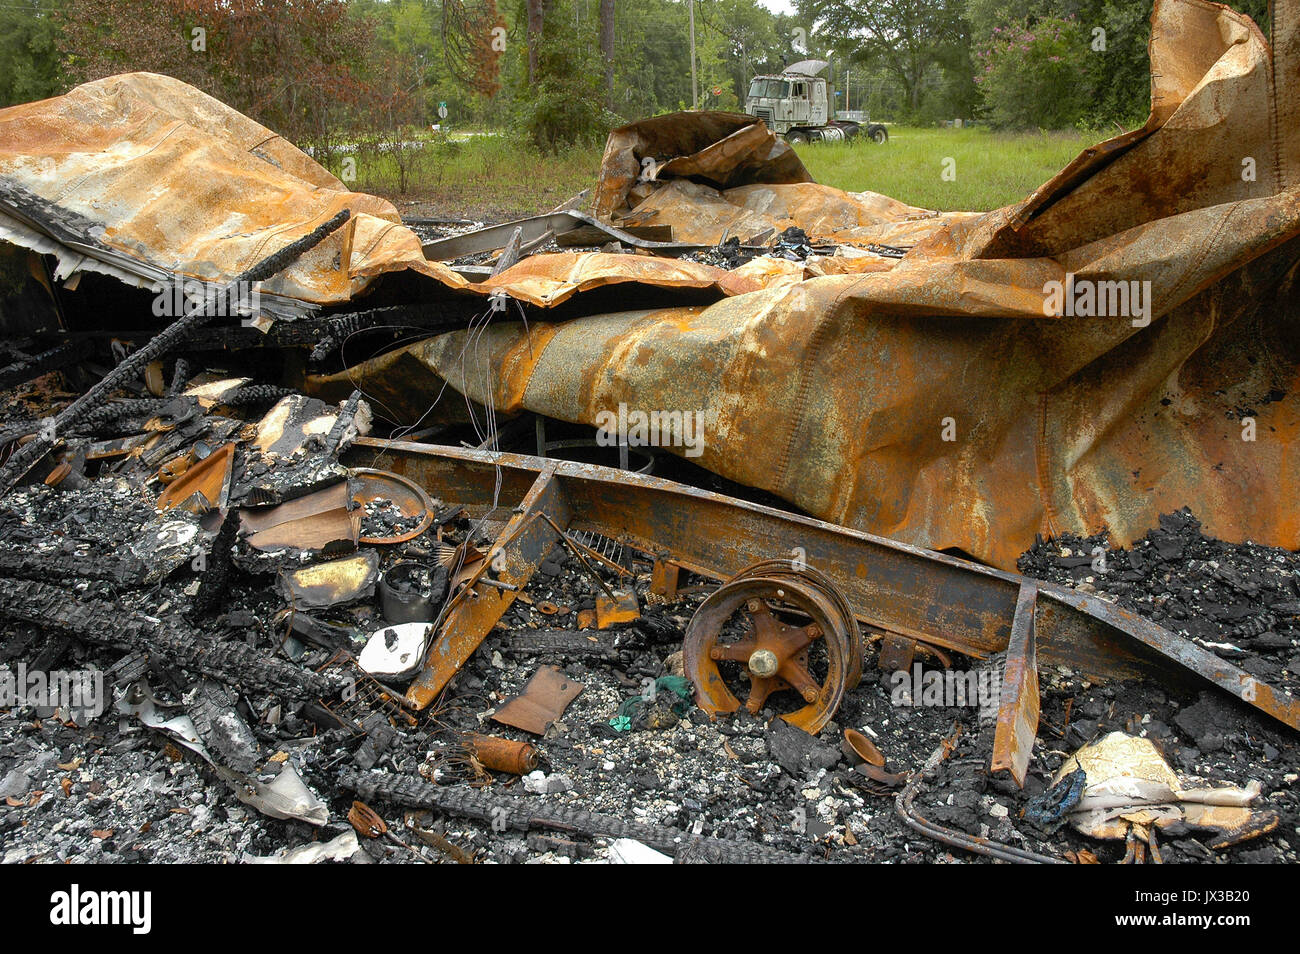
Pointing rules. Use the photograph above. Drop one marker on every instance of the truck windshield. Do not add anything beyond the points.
(771, 88)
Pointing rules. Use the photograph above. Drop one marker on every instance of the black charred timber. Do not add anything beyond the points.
(214, 584)
(222, 729)
(108, 623)
(346, 416)
(180, 377)
(165, 342)
(122, 568)
(379, 739)
(128, 669)
(171, 442)
(522, 815)
(425, 318)
(16, 429)
(111, 416)
(255, 395)
(326, 334)
(563, 643)
(49, 657)
(60, 356)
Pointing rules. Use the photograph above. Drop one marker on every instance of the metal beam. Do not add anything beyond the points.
(934, 598)
(1013, 740)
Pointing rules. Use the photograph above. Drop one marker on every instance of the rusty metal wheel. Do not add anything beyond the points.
(788, 570)
(780, 628)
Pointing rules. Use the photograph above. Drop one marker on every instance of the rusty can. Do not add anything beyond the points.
(501, 755)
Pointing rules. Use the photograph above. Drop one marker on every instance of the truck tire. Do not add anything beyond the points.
(796, 136)
(879, 135)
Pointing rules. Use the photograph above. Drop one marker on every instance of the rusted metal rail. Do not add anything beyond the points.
(908, 593)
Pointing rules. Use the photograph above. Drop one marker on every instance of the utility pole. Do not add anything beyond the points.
(695, 89)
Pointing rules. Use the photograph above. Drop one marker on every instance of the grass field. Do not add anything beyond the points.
(483, 177)
(494, 178)
(989, 169)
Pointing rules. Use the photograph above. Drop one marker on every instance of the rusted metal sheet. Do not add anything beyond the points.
(938, 402)
(209, 480)
(892, 586)
(937, 398)
(1214, 90)
(723, 149)
(1017, 726)
(311, 522)
(126, 158)
(972, 431)
(743, 182)
(551, 279)
(101, 177)
(542, 702)
(896, 653)
(663, 579)
(474, 610)
(569, 223)
(700, 213)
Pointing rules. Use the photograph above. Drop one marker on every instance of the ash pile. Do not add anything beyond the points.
(1240, 601)
(261, 606)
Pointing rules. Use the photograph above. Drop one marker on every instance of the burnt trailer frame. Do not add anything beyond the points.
(906, 594)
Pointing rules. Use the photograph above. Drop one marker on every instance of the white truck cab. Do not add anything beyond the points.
(796, 105)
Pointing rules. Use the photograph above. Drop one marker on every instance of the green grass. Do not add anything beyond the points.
(482, 177)
(992, 169)
(496, 178)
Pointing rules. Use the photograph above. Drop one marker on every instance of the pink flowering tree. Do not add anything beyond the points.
(1035, 76)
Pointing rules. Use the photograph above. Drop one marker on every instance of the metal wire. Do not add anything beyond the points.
(948, 836)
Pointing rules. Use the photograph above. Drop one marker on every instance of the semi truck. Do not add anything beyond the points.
(796, 105)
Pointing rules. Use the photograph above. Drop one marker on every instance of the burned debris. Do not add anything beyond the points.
(749, 721)
(367, 577)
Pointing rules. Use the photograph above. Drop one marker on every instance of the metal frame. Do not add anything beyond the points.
(900, 590)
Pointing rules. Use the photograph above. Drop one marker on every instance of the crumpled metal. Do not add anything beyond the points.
(164, 181)
(936, 403)
(716, 148)
(930, 398)
(146, 178)
(713, 175)
(700, 213)
(550, 279)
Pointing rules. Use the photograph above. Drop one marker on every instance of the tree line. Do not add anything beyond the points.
(560, 71)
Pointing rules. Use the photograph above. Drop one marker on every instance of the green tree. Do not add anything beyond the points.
(743, 39)
(1032, 76)
(910, 39)
(565, 101)
(29, 51)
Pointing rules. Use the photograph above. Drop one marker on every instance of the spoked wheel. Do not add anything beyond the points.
(787, 632)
